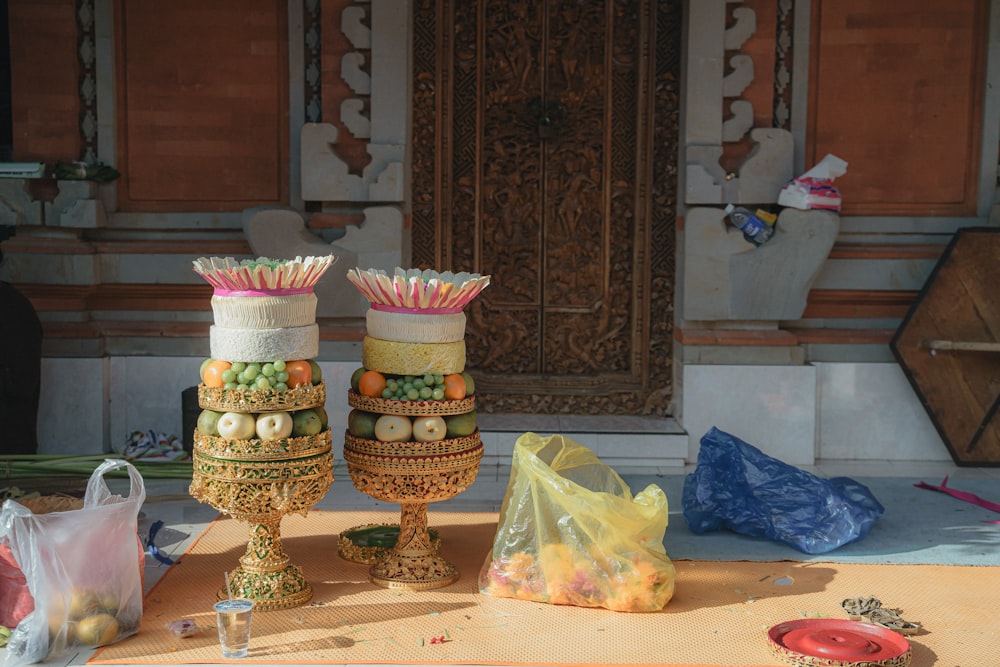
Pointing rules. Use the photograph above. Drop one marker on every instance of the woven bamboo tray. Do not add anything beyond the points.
(385, 406)
(410, 447)
(261, 400)
(255, 449)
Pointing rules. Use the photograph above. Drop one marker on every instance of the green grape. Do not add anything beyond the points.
(238, 366)
(281, 386)
(418, 383)
(229, 375)
(242, 386)
(281, 376)
(391, 385)
(263, 382)
(252, 371)
(409, 378)
(407, 386)
(231, 385)
(437, 394)
(279, 365)
(242, 378)
(438, 379)
(413, 394)
(267, 370)
(387, 393)
(429, 380)
(426, 392)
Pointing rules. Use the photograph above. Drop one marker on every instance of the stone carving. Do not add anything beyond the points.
(769, 165)
(728, 278)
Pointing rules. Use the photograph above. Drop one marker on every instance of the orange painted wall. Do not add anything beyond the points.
(44, 73)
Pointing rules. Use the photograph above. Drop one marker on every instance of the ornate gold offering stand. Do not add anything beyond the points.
(259, 482)
(413, 474)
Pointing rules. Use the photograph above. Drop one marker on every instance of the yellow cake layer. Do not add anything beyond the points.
(396, 358)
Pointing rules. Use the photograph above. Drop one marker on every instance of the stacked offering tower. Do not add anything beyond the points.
(412, 436)
(262, 448)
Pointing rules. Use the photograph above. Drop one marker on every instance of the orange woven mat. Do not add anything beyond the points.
(719, 615)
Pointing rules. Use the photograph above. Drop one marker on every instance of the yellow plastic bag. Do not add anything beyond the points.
(570, 532)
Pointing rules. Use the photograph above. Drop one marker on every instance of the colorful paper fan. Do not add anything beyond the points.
(263, 274)
(416, 290)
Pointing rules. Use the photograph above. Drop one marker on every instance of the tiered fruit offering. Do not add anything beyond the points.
(412, 435)
(263, 448)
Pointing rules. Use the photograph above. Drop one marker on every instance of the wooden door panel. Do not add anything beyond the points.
(542, 118)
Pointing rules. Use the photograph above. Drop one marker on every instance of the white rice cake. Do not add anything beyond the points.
(415, 327)
(264, 344)
(264, 312)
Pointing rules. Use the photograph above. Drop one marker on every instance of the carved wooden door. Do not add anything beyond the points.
(545, 157)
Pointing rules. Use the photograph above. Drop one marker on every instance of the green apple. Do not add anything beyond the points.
(429, 428)
(470, 384)
(461, 425)
(393, 428)
(237, 425)
(273, 425)
(306, 422)
(356, 377)
(361, 424)
(208, 422)
(323, 417)
(316, 371)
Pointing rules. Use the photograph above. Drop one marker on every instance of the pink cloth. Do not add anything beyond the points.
(962, 495)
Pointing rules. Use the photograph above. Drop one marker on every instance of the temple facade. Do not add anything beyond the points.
(581, 154)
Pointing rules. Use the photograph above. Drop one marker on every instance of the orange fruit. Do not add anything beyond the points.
(454, 386)
(211, 374)
(299, 373)
(371, 383)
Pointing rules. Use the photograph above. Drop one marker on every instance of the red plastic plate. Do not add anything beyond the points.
(820, 641)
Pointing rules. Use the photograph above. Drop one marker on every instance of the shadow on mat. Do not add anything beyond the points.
(701, 584)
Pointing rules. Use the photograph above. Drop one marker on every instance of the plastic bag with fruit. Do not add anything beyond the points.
(571, 532)
(83, 568)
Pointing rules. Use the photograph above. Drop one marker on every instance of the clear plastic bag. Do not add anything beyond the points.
(736, 486)
(570, 532)
(83, 568)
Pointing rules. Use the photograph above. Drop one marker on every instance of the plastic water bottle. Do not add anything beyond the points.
(754, 229)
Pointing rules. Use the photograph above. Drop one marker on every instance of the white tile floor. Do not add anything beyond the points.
(185, 519)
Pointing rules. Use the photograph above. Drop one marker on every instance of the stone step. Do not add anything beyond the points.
(629, 445)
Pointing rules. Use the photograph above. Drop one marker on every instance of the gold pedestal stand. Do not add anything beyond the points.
(413, 474)
(259, 482)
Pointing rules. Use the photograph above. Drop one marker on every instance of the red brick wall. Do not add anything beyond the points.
(44, 72)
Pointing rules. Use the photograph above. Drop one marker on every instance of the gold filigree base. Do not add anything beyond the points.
(413, 564)
(413, 573)
(269, 591)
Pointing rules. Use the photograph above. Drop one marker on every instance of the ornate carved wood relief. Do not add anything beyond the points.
(545, 139)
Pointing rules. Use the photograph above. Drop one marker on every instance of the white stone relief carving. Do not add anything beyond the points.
(737, 125)
(768, 167)
(742, 30)
(353, 75)
(352, 115)
(741, 76)
(325, 177)
(353, 27)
